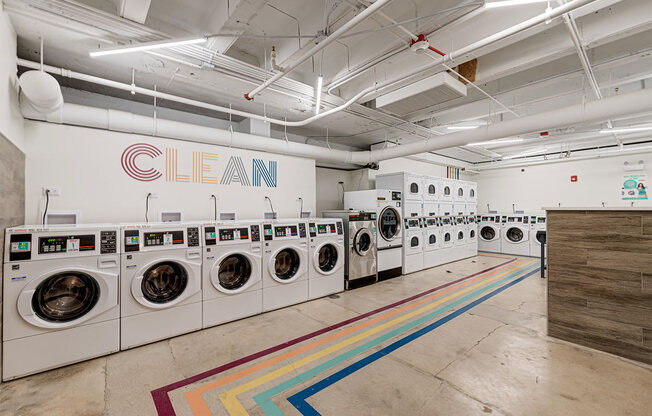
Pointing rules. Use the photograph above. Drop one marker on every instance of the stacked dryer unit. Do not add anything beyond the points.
(60, 299)
(327, 258)
(285, 263)
(413, 250)
(432, 254)
(471, 248)
(232, 285)
(388, 206)
(447, 231)
(161, 270)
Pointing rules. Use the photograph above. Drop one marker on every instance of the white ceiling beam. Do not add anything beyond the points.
(135, 10)
(230, 17)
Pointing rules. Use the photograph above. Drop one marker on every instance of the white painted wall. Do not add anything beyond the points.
(86, 165)
(599, 180)
(11, 120)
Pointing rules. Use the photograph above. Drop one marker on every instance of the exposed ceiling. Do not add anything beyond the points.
(536, 70)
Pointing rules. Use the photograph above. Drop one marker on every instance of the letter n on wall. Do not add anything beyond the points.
(267, 174)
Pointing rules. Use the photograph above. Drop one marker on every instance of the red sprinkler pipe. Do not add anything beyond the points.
(436, 50)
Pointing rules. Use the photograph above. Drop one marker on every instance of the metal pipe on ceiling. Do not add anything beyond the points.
(321, 45)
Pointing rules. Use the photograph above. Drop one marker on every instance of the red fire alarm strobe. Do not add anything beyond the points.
(574, 178)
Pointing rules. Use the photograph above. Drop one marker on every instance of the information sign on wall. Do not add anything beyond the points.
(634, 187)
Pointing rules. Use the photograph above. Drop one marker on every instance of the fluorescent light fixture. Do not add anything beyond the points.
(497, 142)
(320, 82)
(147, 46)
(526, 153)
(626, 130)
(504, 3)
(462, 127)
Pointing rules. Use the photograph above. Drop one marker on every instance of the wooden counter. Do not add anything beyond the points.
(600, 279)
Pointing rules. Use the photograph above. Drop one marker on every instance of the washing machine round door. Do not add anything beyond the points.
(234, 272)
(164, 282)
(487, 233)
(514, 234)
(326, 258)
(363, 241)
(65, 296)
(389, 224)
(286, 264)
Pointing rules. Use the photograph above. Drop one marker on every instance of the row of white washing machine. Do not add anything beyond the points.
(73, 293)
(516, 234)
(433, 241)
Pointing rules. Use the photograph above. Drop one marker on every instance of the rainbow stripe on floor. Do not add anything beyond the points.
(298, 369)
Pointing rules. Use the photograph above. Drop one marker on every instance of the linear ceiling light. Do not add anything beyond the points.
(503, 3)
(320, 83)
(626, 130)
(462, 127)
(146, 46)
(497, 142)
(526, 153)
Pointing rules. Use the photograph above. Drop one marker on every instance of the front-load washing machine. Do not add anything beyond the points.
(516, 233)
(285, 263)
(537, 223)
(432, 242)
(232, 286)
(490, 234)
(326, 252)
(388, 206)
(447, 231)
(413, 245)
(160, 282)
(360, 249)
(60, 299)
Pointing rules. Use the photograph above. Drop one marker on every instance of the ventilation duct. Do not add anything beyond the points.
(41, 91)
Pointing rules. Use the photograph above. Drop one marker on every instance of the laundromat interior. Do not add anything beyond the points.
(326, 207)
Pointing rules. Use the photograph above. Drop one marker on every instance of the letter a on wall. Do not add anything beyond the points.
(235, 172)
(268, 175)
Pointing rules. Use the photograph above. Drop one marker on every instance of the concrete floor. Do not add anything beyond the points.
(492, 359)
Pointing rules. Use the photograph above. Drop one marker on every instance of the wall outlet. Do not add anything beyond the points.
(53, 191)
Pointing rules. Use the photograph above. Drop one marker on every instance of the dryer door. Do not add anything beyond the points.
(67, 297)
(234, 272)
(487, 233)
(389, 224)
(363, 242)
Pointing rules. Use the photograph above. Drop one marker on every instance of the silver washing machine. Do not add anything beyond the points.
(361, 252)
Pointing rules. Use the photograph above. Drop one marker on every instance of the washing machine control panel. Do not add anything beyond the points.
(66, 244)
(162, 238)
(322, 229)
(234, 234)
(396, 196)
(302, 230)
(340, 228)
(193, 236)
(108, 242)
(210, 236)
(255, 233)
(20, 247)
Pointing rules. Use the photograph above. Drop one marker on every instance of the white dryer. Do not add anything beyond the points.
(447, 231)
(413, 246)
(285, 263)
(60, 299)
(447, 191)
(459, 236)
(232, 286)
(432, 242)
(410, 185)
(326, 252)
(388, 206)
(160, 283)
(490, 234)
(459, 192)
(471, 192)
(431, 189)
(471, 247)
(537, 223)
(516, 235)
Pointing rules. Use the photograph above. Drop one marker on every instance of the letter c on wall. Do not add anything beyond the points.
(129, 162)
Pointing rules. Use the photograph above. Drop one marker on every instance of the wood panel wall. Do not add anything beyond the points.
(600, 280)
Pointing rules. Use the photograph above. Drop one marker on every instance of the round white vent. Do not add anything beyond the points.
(41, 90)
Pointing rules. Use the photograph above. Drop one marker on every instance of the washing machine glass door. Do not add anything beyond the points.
(234, 271)
(286, 264)
(164, 282)
(326, 258)
(65, 296)
(487, 233)
(514, 234)
(362, 242)
(389, 224)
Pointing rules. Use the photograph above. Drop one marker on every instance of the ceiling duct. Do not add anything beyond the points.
(41, 91)
(422, 94)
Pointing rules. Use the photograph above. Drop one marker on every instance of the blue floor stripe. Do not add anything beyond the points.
(298, 400)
